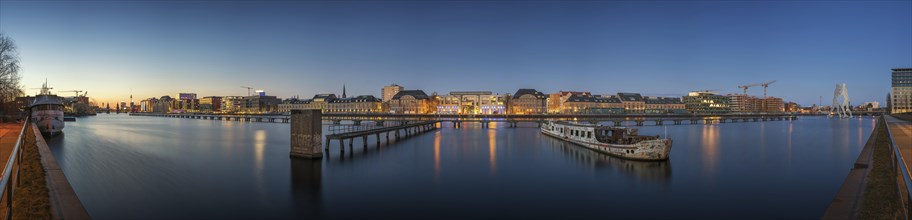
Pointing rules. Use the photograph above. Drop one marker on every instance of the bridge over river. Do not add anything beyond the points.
(512, 120)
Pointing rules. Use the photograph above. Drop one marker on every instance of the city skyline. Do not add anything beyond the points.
(306, 48)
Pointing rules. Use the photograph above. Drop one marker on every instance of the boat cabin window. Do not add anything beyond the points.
(48, 107)
(588, 134)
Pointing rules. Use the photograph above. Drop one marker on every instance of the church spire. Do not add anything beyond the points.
(343, 90)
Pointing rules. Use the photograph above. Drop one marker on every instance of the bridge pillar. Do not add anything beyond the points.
(378, 140)
(327, 145)
(659, 122)
(356, 122)
(639, 122)
(618, 123)
(677, 121)
(364, 141)
(306, 134)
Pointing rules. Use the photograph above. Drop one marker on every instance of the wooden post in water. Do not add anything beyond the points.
(306, 134)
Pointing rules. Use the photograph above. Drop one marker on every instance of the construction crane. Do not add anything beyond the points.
(75, 91)
(748, 86)
(248, 89)
(766, 84)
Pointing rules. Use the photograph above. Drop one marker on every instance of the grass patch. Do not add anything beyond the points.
(881, 199)
(31, 199)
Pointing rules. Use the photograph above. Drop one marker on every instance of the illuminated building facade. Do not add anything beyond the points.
(411, 102)
(901, 102)
(706, 102)
(210, 104)
(359, 104)
(389, 91)
(529, 101)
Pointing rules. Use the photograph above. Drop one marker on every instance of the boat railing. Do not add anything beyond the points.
(903, 186)
(11, 175)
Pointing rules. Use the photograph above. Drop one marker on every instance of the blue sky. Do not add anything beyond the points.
(302, 48)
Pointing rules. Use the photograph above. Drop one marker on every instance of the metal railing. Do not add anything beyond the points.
(348, 128)
(904, 187)
(9, 185)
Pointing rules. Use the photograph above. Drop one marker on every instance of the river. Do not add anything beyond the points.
(129, 167)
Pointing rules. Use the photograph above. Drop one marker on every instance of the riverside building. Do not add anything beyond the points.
(529, 101)
(901, 102)
(706, 102)
(360, 104)
(411, 102)
(389, 91)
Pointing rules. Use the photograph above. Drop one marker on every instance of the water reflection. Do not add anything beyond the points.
(492, 149)
(710, 143)
(259, 145)
(436, 155)
(641, 171)
(306, 186)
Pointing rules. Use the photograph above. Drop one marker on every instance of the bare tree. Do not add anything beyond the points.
(9, 70)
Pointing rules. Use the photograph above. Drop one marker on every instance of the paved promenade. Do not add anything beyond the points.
(9, 133)
(902, 135)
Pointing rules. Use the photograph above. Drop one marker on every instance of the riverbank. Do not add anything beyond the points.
(881, 199)
(869, 191)
(64, 203)
(31, 199)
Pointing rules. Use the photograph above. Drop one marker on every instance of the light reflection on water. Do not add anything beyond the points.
(142, 167)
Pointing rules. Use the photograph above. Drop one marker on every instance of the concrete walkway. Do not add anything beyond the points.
(9, 133)
(902, 135)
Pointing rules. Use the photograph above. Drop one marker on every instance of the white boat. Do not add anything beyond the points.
(617, 141)
(47, 112)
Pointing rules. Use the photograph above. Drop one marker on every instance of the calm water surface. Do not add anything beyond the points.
(145, 167)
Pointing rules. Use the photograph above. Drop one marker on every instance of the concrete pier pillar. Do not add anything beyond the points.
(306, 134)
(378, 139)
(364, 140)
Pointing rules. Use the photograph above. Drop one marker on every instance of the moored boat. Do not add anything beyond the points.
(617, 141)
(47, 112)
